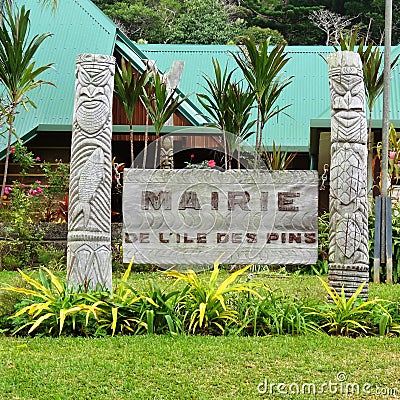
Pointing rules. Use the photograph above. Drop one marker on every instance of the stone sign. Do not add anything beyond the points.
(193, 216)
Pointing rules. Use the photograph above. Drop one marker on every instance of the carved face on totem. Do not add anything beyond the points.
(348, 104)
(92, 91)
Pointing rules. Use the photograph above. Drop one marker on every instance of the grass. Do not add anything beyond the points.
(193, 367)
(201, 367)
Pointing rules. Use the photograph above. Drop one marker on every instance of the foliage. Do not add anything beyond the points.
(18, 72)
(219, 22)
(161, 103)
(128, 89)
(24, 158)
(203, 22)
(274, 314)
(137, 20)
(49, 306)
(342, 316)
(263, 72)
(277, 159)
(394, 156)
(396, 241)
(261, 34)
(216, 100)
(20, 235)
(207, 303)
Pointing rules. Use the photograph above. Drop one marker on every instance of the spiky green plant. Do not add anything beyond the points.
(48, 304)
(342, 316)
(263, 72)
(18, 71)
(128, 90)
(161, 103)
(206, 302)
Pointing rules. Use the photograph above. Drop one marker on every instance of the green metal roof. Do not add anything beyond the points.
(77, 27)
(308, 93)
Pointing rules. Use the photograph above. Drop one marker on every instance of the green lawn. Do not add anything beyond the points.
(203, 367)
(162, 367)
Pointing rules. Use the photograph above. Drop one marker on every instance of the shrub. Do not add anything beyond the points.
(206, 303)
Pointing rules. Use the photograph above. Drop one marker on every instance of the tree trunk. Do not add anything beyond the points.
(7, 160)
(146, 138)
(370, 175)
(156, 153)
(131, 140)
(257, 137)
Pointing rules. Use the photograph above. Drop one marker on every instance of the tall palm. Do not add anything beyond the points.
(18, 72)
(263, 72)
(128, 89)
(161, 103)
(215, 100)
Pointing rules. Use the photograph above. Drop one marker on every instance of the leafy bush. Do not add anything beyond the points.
(347, 317)
(273, 313)
(206, 303)
(48, 307)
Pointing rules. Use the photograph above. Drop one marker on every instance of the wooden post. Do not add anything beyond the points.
(377, 238)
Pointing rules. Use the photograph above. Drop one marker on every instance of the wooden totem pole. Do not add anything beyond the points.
(348, 250)
(89, 222)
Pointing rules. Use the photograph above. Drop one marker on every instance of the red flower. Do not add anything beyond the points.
(211, 163)
(192, 155)
(12, 149)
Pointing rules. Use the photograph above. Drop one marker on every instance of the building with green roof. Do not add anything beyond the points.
(78, 26)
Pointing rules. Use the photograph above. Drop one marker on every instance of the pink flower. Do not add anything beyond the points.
(38, 182)
(12, 149)
(392, 154)
(211, 163)
(40, 190)
(37, 159)
(192, 155)
(6, 190)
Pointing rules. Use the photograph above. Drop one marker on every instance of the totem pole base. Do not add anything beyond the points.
(350, 277)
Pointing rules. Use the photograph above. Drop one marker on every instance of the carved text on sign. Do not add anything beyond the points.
(193, 216)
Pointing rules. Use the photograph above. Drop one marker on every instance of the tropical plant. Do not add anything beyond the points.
(263, 73)
(238, 123)
(128, 90)
(207, 302)
(277, 159)
(161, 103)
(345, 316)
(216, 102)
(118, 311)
(48, 304)
(163, 313)
(18, 72)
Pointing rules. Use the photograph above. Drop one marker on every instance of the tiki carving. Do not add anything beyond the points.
(172, 79)
(348, 251)
(89, 222)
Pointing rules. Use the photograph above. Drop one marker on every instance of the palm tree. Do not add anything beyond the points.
(215, 102)
(18, 72)
(128, 89)
(161, 103)
(262, 70)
